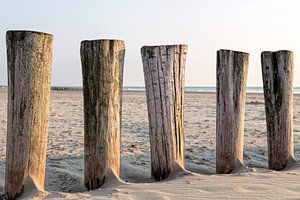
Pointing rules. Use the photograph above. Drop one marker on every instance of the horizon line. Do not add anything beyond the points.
(66, 86)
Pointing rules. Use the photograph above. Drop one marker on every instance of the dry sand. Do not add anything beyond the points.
(65, 154)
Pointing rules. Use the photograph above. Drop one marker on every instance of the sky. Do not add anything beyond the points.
(205, 26)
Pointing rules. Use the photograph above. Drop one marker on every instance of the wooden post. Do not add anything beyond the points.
(278, 76)
(29, 62)
(232, 69)
(102, 73)
(164, 79)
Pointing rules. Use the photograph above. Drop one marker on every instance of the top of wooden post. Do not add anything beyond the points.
(279, 51)
(9, 32)
(170, 45)
(228, 50)
(149, 49)
(103, 40)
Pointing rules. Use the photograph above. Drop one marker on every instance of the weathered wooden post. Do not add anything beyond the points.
(29, 63)
(278, 76)
(232, 69)
(164, 79)
(102, 73)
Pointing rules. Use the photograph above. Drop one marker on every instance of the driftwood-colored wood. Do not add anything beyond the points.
(29, 63)
(278, 76)
(164, 68)
(102, 72)
(232, 69)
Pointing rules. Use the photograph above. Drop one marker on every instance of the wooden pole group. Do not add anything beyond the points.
(278, 76)
(29, 60)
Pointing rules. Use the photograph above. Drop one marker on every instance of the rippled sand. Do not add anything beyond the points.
(65, 153)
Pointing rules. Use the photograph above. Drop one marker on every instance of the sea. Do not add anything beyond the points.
(207, 89)
(198, 89)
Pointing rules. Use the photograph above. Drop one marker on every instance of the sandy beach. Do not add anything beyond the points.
(64, 176)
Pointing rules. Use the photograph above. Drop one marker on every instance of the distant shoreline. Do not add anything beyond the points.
(188, 89)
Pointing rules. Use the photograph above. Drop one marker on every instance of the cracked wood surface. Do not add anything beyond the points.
(29, 63)
(164, 68)
(232, 69)
(102, 73)
(278, 76)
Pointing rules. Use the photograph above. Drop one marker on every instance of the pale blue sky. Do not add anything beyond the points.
(204, 25)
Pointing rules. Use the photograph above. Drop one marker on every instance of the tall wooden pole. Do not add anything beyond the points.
(164, 79)
(29, 62)
(232, 69)
(102, 73)
(278, 76)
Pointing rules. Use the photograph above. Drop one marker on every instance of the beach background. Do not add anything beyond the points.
(64, 176)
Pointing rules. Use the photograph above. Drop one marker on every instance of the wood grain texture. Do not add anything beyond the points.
(278, 76)
(164, 68)
(232, 69)
(102, 73)
(29, 63)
